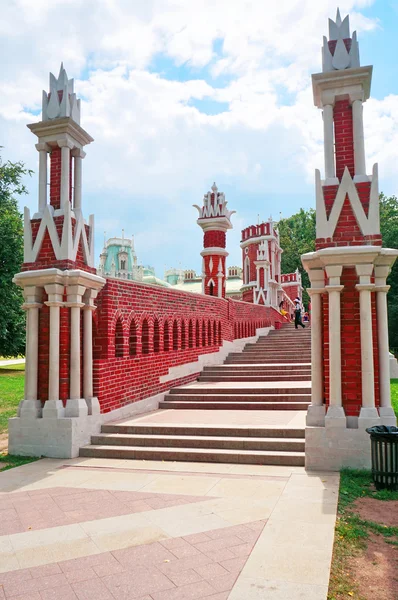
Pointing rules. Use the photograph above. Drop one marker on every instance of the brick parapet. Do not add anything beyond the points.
(204, 322)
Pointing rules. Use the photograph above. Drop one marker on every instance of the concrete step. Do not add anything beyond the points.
(255, 377)
(228, 405)
(191, 441)
(236, 397)
(244, 359)
(266, 368)
(210, 389)
(205, 430)
(261, 457)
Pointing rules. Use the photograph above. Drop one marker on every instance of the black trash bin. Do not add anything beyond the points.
(384, 441)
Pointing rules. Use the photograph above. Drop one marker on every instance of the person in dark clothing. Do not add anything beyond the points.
(297, 314)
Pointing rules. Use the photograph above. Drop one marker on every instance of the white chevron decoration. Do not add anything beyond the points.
(69, 245)
(369, 225)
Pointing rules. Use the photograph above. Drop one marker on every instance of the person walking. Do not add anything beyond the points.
(297, 314)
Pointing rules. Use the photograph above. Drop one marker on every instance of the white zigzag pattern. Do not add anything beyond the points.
(369, 225)
(69, 245)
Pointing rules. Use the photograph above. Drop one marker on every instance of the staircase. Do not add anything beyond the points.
(273, 374)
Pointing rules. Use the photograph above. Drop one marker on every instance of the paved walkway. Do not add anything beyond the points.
(12, 361)
(92, 529)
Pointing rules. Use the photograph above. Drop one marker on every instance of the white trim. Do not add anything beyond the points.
(369, 225)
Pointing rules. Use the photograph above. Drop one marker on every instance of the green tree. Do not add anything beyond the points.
(389, 231)
(297, 236)
(12, 318)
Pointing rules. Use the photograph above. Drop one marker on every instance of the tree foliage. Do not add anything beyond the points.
(297, 236)
(12, 318)
(389, 231)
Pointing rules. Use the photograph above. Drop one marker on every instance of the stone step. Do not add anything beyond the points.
(236, 397)
(191, 441)
(241, 359)
(260, 457)
(255, 377)
(265, 366)
(228, 405)
(213, 389)
(205, 430)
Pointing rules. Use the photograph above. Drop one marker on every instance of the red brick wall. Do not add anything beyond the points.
(55, 177)
(343, 137)
(128, 378)
(214, 239)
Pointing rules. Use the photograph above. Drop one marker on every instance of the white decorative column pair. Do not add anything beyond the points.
(68, 151)
(316, 410)
(78, 156)
(53, 407)
(368, 415)
(31, 405)
(387, 414)
(335, 416)
(43, 150)
(359, 140)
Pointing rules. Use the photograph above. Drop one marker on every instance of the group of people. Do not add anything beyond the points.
(299, 314)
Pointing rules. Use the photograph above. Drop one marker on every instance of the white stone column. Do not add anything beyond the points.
(368, 414)
(335, 416)
(316, 410)
(53, 408)
(30, 406)
(77, 196)
(75, 405)
(328, 140)
(387, 414)
(88, 390)
(65, 146)
(359, 142)
(43, 150)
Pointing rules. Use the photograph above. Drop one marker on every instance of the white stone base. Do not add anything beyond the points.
(51, 436)
(333, 448)
(393, 367)
(387, 416)
(316, 416)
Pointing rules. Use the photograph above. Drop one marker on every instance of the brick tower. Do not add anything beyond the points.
(59, 284)
(348, 270)
(215, 220)
(261, 262)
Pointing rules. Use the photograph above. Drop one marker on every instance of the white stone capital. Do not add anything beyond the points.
(66, 143)
(42, 147)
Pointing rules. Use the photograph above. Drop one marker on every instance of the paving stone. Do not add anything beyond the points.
(136, 583)
(211, 571)
(94, 589)
(80, 575)
(59, 593)
(184, 577)
(218, 544)
(193, 591)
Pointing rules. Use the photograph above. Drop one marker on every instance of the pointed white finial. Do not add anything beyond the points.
(338, 17)
(214, 187)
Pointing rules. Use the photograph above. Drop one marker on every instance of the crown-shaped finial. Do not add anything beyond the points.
(61, 101)
(214, 205)
(340, 51)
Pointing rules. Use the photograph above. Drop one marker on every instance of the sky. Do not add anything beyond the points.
(180, 93)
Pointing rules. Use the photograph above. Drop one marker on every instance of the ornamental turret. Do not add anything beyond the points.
(349, 331)
(215, 220)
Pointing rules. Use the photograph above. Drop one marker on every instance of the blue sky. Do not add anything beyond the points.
(178, 95)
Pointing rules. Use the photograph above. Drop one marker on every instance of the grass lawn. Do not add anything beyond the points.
(12, 380)
(7, 461)
(394, 395)
(353, 534)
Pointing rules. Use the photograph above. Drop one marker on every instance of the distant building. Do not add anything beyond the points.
(187, 280)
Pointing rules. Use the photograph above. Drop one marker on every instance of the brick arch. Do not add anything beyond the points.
(209, 339)
(156, 335)
(219, 333)
(133, 337)
(204, 333)
(119, 338)
(145, 336)
(183, 335)
(197, 333)
(191, 341)
(175, 335)
(166, 335)
(214, 333)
